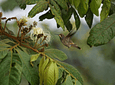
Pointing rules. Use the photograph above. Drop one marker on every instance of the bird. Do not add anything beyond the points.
(66, 40)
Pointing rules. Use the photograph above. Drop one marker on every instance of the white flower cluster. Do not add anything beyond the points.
(36, 31)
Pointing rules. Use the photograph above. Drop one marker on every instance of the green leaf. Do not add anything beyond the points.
(30, 73)
(6, 6)
(47, 15)
(69, 26)
(103, 32)
(61, 76)
(76, 3)
(39, 7)
(89, 18)
(105, 9)
(29, 2)
(72, 71)
(57, 17)
(34, 58)
(77, 82)
(94, 5)
(60, 72)
(112, 8)
(10, 70)
(62, 3)
(68, 81)
(66, 15)
(77, 20)
(83, 7)
(54, 53)
(4, 47)
(3, 52)
(22, 4)
(71, 1)
(24, 49)
(56, 7)
(6, 41)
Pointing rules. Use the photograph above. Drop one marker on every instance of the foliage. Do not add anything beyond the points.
(16, 58)
(62, 10)
(102, 32)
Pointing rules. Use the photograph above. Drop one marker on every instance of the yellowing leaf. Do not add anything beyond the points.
(34, 58)
(49, 74)
(56, 73)
(42, 70)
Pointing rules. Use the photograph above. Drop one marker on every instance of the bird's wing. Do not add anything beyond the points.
(71, 33)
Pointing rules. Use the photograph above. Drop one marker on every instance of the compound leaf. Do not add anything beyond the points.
(30, 73)
(72, 71)
(10, 70)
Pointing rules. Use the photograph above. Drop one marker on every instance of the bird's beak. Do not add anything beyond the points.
(58, 35)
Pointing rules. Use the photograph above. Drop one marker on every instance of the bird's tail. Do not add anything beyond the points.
(74, 45)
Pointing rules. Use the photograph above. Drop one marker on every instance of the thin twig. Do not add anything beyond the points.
(7, 21)
(36, 42)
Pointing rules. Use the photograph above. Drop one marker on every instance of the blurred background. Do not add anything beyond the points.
(96, 64)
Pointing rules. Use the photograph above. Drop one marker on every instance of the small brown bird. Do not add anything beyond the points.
(66, 40)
